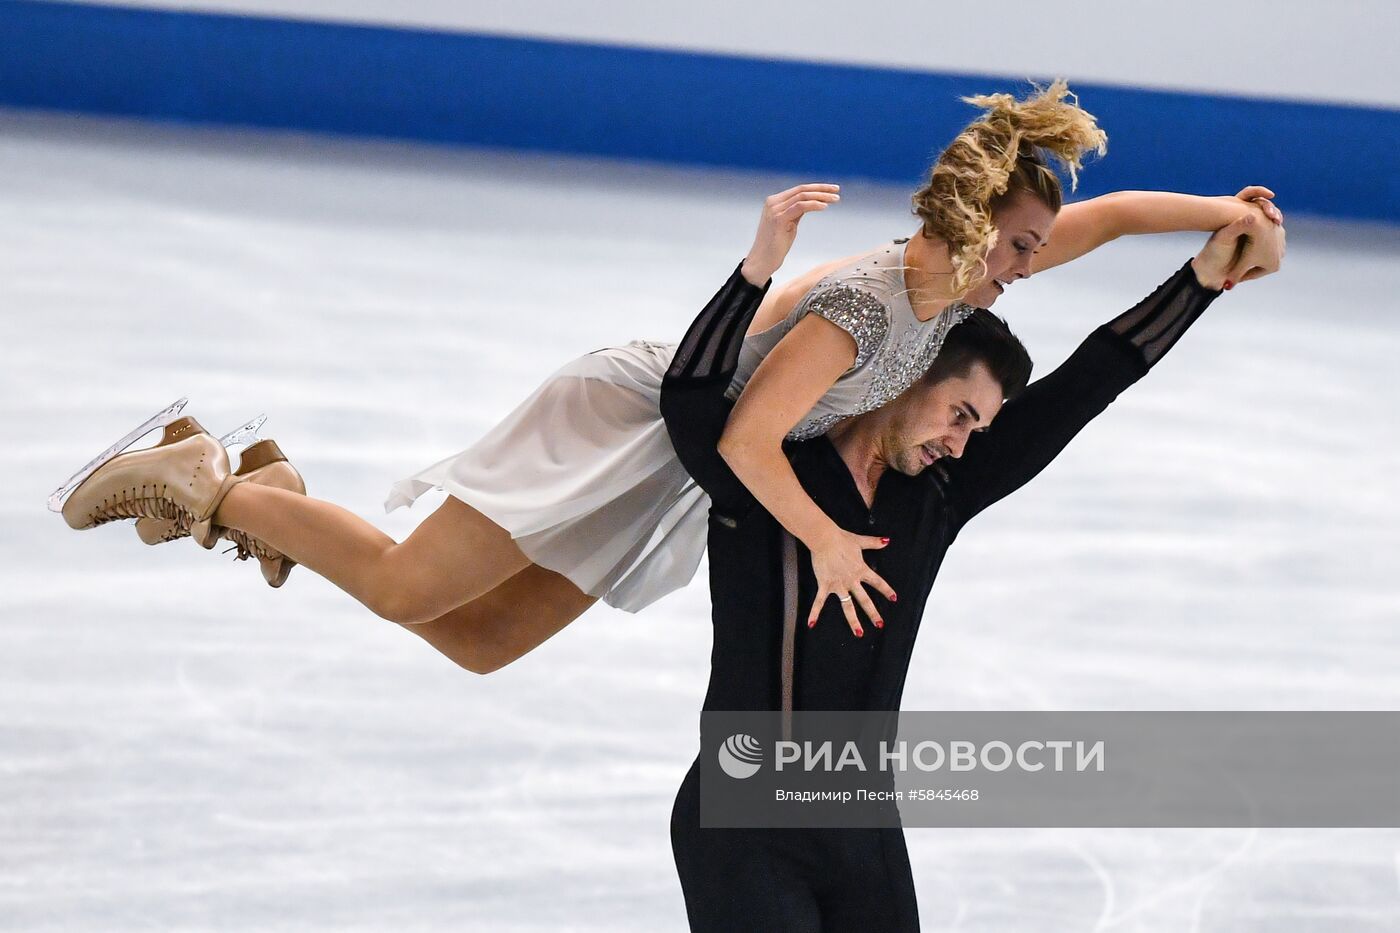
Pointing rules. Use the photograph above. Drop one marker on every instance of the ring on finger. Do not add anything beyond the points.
(844, 599)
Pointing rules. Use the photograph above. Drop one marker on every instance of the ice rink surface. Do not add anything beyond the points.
(182, 747)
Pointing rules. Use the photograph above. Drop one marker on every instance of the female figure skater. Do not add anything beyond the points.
(578, 495)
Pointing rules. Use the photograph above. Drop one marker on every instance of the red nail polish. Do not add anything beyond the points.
(879, 623)
(894, 597)
(860, 633)
(811, 623)
(884, 540)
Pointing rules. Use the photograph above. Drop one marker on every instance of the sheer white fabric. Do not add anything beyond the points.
(583, 476)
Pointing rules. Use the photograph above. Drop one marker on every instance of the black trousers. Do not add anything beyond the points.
(778, 880)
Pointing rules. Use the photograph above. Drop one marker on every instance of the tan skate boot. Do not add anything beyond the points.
(184, 480)
(264, 464)
(163, 530)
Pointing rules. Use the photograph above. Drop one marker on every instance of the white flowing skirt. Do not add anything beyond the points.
(583, 476)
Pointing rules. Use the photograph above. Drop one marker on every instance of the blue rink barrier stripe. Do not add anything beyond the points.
(817, 121)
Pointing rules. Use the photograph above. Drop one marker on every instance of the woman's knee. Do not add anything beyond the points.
(494, 630)
(461, 637)
(483, 663)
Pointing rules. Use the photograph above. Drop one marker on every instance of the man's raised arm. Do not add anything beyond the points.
(693, 391)
(693, 400)
(1033, 428)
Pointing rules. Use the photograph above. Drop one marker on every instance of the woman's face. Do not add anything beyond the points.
(1023, 227)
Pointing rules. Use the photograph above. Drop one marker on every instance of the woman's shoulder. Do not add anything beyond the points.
(788, 300)
(865, 290)
(878, 272)
(860, 297)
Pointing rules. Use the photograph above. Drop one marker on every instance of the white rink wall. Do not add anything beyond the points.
(1194, 98)
(1338, 53)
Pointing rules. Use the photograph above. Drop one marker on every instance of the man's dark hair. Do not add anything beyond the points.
(984, 337)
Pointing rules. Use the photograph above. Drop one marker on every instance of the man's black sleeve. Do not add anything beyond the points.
(693, 399)
(1033, 428)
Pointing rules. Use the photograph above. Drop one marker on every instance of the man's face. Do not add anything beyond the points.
(932, 422)
(1023, 227)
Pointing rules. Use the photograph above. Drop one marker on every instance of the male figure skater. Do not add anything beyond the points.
(915, 471)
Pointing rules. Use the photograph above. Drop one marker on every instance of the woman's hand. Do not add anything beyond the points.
(777, 227)
(1262, 199)
(1261, 254)
(1250, 246)
(1246, 249)
(842, 572)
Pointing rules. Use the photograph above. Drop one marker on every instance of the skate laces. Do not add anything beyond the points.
(248, 546)
(134, 504)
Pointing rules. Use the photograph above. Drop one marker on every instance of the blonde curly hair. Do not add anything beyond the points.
(995, 157)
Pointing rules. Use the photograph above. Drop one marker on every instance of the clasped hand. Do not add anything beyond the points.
(1251, 246)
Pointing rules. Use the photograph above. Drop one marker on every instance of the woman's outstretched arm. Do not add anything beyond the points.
(790, 380)
(1084, 226)
(795, 374)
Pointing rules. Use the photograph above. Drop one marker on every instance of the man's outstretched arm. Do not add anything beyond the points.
(693, 391)
(693, 401)
(1033, 428)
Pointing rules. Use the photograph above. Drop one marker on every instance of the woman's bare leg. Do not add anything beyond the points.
(513, 619)
(454, 556)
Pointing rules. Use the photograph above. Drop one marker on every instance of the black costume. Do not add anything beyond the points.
(847, 879)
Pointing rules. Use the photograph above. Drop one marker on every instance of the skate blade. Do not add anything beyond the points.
(159, 420)
(247, 434)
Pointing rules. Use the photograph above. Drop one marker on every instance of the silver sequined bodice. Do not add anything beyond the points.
(868, 300)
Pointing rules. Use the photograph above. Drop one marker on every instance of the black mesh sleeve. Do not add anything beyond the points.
(1033, 428)
(1156, 323)
(693, 401)
(710, 348)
